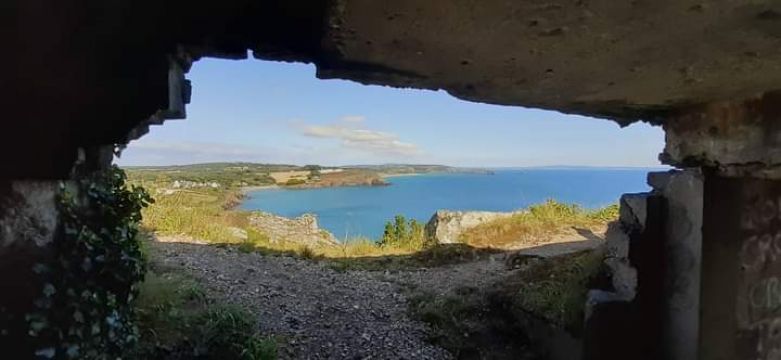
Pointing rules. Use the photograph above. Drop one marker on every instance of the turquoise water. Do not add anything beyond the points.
(362, 211)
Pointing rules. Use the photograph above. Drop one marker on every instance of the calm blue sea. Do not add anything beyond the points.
(362, 211)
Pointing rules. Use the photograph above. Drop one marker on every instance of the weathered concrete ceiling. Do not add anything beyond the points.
(619, 59)
(85, 75)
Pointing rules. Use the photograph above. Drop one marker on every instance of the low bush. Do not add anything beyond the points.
(405, 259)
(177, 321)
(294, 182)
(403, 233)
(556, 288)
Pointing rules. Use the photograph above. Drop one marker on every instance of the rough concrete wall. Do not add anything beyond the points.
(739, 137)
(28, 213)
(28, 225)
(630, 60)
(741, 269)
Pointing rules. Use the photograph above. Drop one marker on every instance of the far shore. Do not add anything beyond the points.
(246, 189)
(385, 176)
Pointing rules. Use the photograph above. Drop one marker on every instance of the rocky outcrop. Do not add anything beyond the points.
(446, 226)
(302, 230)
(345, 178)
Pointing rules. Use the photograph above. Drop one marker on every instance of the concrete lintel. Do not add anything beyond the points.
(736, 137)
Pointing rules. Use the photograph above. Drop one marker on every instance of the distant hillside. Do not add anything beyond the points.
(241, 174)
(219, 166)
(198, 175)
(416, 169)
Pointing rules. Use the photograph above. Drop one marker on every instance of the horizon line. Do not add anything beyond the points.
(488, 167)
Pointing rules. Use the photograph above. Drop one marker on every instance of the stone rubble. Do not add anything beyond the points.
(301, 230)
(445, 226)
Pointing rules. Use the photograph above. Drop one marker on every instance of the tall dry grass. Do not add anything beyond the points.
(538, 224)
(199, 214)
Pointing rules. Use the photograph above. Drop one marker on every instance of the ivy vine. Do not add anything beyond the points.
(85, 308)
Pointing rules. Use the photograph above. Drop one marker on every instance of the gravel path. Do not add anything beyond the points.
(324, 314)
(321, 313)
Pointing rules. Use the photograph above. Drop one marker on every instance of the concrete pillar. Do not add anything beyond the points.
(682, 244)
(738, 146)
(741, 272)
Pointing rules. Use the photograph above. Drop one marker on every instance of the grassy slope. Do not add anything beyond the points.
(226, 174)
(487, 323)
(538, 224)
(556, 288)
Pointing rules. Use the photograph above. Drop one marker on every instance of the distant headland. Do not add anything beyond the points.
(255, 175)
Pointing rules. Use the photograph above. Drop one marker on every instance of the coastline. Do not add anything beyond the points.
(246, 189)
(388, 176)
(383, 176)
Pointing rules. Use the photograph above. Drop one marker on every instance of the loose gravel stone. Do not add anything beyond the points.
(318, 312)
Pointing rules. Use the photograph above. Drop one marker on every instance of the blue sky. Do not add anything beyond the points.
(271, 112)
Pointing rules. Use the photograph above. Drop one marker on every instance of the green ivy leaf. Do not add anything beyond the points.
(99, 233)
(78, 316)
(73, 351)
(49, 290)
(39, 268)
(46, 353)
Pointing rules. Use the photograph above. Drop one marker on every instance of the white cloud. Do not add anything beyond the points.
(357, 138)
(198, 149)
(153, 152)
(353, 119)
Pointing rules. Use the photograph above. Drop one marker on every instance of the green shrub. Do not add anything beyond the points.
(85, 307)
(294, 182)
(556, 288)
(177, 321)
(402, 233)
(256, 348)
(306, 252)
(605, 214)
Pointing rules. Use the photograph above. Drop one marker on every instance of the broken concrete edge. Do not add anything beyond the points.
(610, 309)
(697, 134)
(654, 252)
